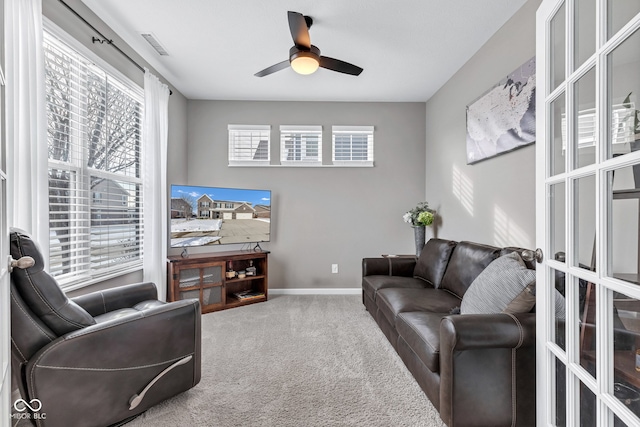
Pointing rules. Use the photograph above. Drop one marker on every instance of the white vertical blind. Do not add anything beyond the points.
(249, 145)
(94, 137)
(352, 145)
(301, 145)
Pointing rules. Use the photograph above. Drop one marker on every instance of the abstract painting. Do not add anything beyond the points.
(504, 118)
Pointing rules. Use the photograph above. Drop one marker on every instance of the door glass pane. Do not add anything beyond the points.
(584, 120)
(189, 277)
(626, 366)
(619, 13)
(624, 97)
(587, 407)
(585, 222)
(623, 199)
(559, 308)
(560, 376)
(585, 27)
(212, 274)
(557, 48)
(587, 325)
(557, 221)
(558, 138)
(212, 295)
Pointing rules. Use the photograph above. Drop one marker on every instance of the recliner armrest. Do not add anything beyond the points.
(389, 266)
(101, 302)
(133, 339)
(107, 364)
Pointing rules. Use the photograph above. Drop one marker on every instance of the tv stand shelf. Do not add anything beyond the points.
(204, 276)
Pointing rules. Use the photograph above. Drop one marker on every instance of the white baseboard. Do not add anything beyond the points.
(316, 291)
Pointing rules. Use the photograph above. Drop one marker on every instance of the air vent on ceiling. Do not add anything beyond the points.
(153, 41)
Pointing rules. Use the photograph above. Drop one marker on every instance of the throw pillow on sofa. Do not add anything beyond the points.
(524, 301)
(504, 280)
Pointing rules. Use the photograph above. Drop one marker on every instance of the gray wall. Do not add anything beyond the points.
(492, 201)
(320, 216)
(177, 159)
(323, 216)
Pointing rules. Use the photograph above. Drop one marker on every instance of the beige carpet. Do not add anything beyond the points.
(297, 361)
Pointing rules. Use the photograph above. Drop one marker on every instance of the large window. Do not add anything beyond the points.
(301, 145)
(95, 189)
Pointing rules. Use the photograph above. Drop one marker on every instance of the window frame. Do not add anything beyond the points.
(82, 272)
(238, 131)
(301, 133)
(353, 130)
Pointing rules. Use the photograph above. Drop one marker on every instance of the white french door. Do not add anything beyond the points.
(588, 212)
(5, 306)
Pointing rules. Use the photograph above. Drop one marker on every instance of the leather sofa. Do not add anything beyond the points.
(101, 358)
(476, 369)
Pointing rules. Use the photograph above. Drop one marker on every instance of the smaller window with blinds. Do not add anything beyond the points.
(352, 145)
(249, 145)
(301, 145)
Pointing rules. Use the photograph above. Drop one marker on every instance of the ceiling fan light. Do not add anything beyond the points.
(303, 64)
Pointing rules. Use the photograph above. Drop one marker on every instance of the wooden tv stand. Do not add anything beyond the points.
(204, 276)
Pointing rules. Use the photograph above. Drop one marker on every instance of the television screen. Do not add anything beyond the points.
(202, 216)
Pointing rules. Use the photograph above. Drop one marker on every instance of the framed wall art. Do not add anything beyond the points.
(503, 119)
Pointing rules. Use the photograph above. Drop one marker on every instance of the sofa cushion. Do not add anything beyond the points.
(433, 261)
(372, 284)
(497, 285)
(393, 301)
(467, 261)
(421, 331)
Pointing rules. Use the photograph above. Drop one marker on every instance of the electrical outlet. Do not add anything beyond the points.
(334, 268)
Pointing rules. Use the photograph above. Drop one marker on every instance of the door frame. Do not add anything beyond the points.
(546, 349)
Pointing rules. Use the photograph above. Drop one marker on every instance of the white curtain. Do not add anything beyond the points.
(27, 192)
(154, 181)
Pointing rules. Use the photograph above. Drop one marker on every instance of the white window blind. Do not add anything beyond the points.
(301, 145)
(249, 145)
(352, 145)
(94, 136)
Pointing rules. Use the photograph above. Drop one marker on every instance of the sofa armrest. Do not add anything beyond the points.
(487, 369)
(101, 302)
(388, 266)
(105, 365)
(477, 331)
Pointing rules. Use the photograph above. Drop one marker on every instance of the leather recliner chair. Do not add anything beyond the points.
(101, 358)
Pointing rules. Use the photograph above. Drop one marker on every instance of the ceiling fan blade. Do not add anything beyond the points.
(270, 70)
(299, 29)
(339, 66)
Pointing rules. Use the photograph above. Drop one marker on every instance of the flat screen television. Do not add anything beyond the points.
(206, 216)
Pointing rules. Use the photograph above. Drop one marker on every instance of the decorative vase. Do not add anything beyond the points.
(419, 235)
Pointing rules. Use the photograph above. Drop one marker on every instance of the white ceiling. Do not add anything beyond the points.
(408, 48)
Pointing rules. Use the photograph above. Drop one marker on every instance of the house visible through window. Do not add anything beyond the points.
(352, 145)
(249, 145)
(94, 123)
(301, 145)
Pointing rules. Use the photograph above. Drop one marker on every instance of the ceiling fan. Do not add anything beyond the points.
(304, 57)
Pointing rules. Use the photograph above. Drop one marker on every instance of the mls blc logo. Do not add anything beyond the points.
(34, 405)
